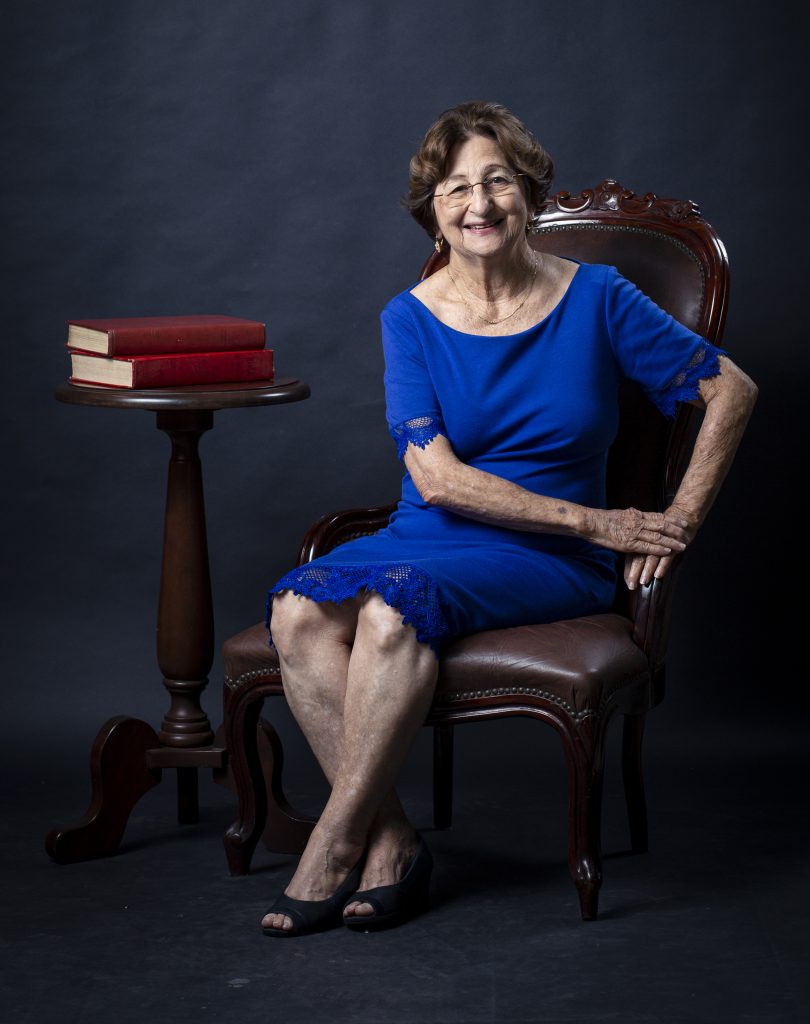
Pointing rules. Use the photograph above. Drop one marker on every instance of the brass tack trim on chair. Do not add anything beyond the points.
(246, 677)
(458, 696)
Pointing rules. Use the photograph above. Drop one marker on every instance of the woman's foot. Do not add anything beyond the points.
(308, 916)
(325, 865)
(395, 902)
(388, 858)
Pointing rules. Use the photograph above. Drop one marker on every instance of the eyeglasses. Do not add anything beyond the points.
(496, 185)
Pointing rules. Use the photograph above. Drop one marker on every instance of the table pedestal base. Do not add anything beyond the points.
(120, 777)
(127, 761)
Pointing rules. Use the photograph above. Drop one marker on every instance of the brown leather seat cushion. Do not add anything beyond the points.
(577, 663)
(248, 658)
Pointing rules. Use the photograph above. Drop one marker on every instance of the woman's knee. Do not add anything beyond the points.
(383, 626)
(302, 628)
(293, 622)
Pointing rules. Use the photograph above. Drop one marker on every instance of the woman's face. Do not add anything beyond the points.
(484, 226)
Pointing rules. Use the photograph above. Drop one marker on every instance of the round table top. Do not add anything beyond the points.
(191, 397)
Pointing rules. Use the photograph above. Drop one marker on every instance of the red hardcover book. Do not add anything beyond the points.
(172, 369)
(153, 335)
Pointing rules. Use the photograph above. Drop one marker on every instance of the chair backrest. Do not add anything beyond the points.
(672, 254)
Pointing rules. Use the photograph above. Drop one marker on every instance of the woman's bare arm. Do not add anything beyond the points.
(728, 400)
(443, 480)
(650, 538)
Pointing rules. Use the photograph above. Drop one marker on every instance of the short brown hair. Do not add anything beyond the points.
(429, 165)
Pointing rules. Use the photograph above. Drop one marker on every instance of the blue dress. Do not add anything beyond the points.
(538, 408)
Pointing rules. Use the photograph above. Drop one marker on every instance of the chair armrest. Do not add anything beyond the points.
(339, 527)
(650, 609)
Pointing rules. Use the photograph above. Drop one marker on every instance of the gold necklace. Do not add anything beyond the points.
(508, 315)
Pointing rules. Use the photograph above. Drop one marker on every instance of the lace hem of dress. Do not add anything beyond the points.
(412, 591)
(684, 385)
(419, 431)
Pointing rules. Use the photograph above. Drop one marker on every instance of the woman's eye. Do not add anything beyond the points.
(497, 179)
(459, 190)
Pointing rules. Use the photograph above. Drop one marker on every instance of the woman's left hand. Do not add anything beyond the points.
(639, 570)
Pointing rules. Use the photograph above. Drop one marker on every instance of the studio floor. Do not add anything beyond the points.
(709, 926)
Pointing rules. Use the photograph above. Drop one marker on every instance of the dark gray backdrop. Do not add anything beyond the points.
(248, 158)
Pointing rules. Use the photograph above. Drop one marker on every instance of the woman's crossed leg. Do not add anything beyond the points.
(359, 684)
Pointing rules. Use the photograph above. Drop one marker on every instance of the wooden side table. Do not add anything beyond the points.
(128, 755)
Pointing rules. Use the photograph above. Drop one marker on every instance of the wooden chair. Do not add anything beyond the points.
(575, 675)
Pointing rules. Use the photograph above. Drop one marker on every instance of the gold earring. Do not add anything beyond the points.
(437, 245)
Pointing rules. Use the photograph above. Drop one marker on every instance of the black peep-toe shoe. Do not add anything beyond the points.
(395, 904)
(310, 916)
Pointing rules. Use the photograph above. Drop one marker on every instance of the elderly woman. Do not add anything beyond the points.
(501, 383)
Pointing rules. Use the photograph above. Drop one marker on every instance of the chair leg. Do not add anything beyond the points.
(240, 840)
(286, 830)
(632, 737)
(584, 750)
(442, 776)
(254, 773)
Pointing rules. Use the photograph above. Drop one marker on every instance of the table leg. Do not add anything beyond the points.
(128, 755)
(120, 777)
(185, 634)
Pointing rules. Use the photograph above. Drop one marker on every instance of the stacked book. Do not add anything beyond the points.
(167, 351)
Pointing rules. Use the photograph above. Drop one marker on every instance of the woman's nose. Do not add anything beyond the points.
(481, 199)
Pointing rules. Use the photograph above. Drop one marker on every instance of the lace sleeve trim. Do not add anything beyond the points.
(419, 431)
(684, 385)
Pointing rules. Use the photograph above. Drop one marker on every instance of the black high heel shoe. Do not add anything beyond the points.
(310, 916)
(397, 903)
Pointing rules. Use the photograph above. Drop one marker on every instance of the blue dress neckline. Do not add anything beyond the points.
(493, 337)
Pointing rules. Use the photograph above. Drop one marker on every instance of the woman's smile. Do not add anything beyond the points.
(484, 227)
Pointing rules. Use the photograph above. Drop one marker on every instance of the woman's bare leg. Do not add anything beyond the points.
(360, 685)
(319, 637)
